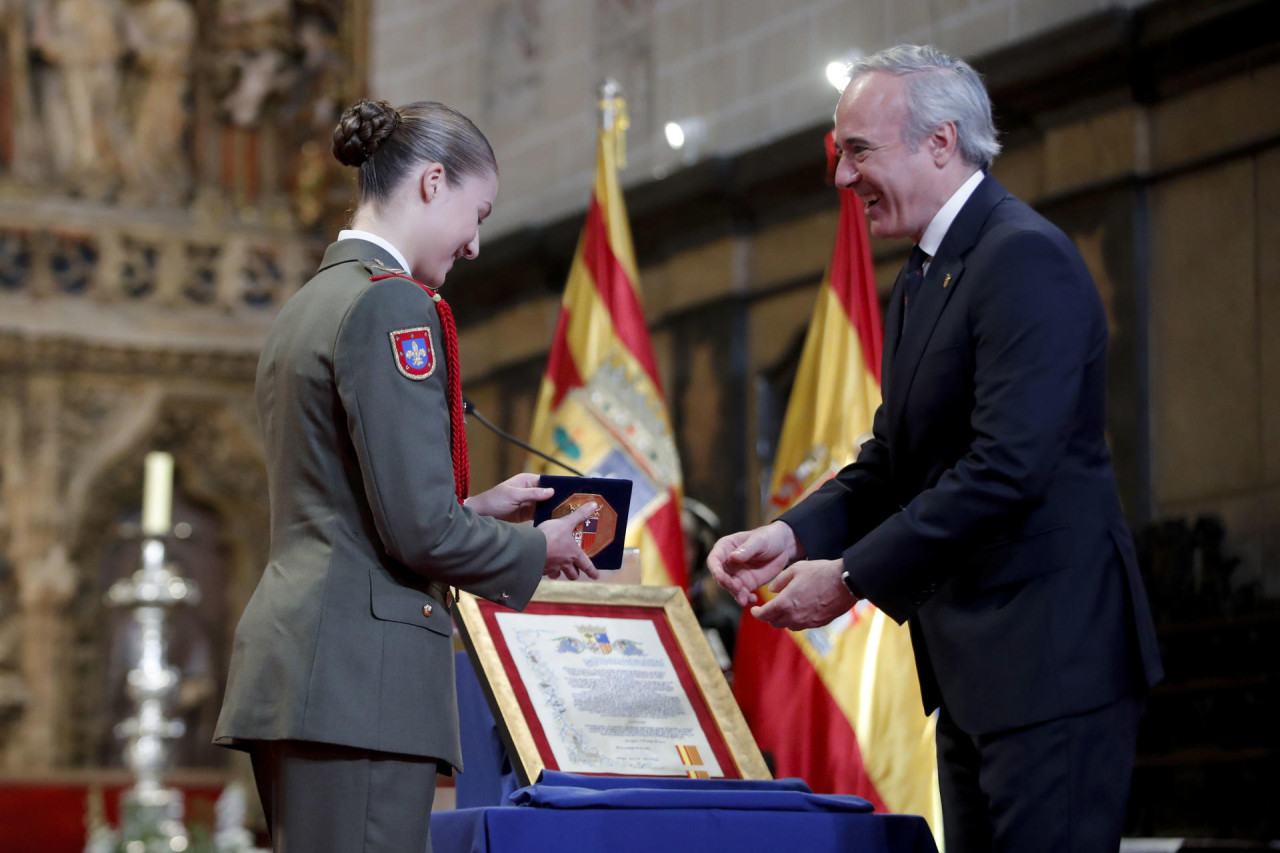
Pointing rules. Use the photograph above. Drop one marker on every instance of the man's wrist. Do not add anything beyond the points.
(849, 584)
(797, 547)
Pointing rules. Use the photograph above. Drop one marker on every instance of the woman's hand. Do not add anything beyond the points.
(565, 557)
(510, 500)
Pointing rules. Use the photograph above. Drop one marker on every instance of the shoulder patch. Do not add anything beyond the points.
(414, 354)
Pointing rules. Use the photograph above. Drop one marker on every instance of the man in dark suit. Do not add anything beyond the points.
(984, 509)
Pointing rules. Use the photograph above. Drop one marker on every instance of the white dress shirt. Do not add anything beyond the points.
(942, 220)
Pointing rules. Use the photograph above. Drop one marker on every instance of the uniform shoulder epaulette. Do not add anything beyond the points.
(378, 271)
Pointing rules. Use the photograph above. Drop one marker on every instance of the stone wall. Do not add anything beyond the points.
(750, 70)
(1215, 313)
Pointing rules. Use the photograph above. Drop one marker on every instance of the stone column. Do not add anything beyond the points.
(46, 577)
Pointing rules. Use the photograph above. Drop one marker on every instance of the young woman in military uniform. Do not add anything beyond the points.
(341, 680)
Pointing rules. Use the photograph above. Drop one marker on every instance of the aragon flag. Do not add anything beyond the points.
(600, 407)
(838, 706)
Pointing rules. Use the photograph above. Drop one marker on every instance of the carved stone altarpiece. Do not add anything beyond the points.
(164, 187)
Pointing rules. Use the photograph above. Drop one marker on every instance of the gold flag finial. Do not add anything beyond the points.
(613, 117)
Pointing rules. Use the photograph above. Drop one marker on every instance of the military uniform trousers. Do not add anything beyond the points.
(322, 798)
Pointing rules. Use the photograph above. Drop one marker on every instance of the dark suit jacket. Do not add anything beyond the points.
(343, 642)
(985, 509)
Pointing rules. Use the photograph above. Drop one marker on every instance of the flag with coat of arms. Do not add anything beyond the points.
(601, 408)
(838, 706)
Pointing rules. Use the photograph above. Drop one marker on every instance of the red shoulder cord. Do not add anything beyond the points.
(457, 425)
(453, 391)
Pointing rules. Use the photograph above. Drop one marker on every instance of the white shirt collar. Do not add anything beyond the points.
(942, 220)
(352, 234)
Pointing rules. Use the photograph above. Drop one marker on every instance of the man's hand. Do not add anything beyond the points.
(511, 500)
(742, 562)
(565, 557)
(808, 594)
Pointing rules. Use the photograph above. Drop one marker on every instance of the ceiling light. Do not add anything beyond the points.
(838, 69)
(675, 134)
(838, 74)
(686, 136)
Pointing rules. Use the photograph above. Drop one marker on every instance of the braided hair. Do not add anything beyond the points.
(386, 143)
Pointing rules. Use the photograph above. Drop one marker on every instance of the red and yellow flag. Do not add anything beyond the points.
(838, 706)
(601, 408)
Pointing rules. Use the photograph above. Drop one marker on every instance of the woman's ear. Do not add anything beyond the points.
(432, 179)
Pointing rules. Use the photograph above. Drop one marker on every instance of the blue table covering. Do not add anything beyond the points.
(515, 829)
(487, 778)
(567, 791)
(681, 783)
(568, 813)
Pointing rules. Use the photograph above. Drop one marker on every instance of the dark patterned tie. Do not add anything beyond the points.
(911, 281)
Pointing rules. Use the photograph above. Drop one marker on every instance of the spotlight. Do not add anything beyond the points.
(838, 69)
(686, 136)
(675, 134)
(838, 74)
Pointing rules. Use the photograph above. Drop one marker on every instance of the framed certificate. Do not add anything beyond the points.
(607, 680)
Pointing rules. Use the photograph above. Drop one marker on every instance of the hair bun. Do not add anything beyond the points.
(362, 130)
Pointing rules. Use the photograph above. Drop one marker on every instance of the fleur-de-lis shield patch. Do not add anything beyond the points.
(415, 356)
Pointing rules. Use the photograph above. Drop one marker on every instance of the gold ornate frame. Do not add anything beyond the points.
(495, 678)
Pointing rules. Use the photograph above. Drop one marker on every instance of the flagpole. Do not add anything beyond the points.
(610, 93)
(613, 119)
(601, 351)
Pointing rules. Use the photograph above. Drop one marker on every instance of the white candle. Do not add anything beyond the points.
(157, 494)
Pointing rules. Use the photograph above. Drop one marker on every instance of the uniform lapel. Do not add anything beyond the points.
(940, 281)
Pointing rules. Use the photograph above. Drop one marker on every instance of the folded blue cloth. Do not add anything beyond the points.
(683, 783)
(566, 791)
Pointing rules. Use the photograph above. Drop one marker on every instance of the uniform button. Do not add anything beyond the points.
(504, 597)
(426, 610)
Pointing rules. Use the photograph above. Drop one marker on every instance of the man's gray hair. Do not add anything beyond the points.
(940, 88)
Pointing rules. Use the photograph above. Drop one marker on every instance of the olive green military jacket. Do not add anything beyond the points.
(341, 642)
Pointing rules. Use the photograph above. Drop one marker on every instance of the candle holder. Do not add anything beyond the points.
(151, 815)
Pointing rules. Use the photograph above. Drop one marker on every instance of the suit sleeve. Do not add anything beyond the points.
(399, 427)
(1032, 334)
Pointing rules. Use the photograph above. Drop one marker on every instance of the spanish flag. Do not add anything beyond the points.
(838, 706)
(601, 409)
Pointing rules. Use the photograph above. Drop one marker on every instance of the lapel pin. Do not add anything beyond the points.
(946, 280)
